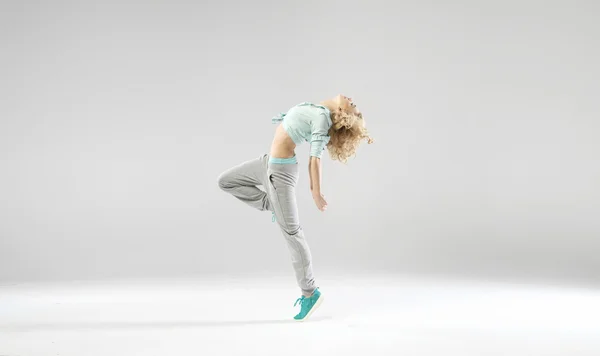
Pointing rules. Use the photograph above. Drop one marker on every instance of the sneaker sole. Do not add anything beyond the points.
(317, 304)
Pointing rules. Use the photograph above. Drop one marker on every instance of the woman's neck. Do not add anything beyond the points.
(329, 104)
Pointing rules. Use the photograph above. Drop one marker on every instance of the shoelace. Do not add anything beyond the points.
(301, 300)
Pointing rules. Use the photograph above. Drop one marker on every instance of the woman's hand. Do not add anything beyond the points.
(320, 201)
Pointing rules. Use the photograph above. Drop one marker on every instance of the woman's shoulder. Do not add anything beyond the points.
(315, 111)
(313, 105)
(310, 113)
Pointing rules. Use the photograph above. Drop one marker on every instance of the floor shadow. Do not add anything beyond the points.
(119, 325)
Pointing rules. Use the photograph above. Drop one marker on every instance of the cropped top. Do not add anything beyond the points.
(307, 122)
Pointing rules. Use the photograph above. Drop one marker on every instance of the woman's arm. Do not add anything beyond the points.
(319, 128)
(314, 170)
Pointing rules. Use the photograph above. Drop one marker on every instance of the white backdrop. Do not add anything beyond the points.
(116, 119)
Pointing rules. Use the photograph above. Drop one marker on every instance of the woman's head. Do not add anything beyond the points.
(348, 128)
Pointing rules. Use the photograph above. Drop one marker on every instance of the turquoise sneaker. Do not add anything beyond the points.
(308, 305)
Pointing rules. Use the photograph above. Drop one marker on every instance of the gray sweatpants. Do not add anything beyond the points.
(279, 195)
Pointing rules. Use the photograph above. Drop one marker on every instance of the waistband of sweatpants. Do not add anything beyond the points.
(275, 160)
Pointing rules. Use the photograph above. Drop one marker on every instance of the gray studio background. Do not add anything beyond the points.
(116, 120)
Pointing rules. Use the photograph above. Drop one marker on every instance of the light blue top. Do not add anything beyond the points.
(307, 122)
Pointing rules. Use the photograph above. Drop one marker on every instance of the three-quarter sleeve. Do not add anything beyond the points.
(319, 135)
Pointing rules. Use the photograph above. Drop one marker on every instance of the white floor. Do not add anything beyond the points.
(381, 315)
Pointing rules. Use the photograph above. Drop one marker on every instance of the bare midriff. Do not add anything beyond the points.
(282, 146)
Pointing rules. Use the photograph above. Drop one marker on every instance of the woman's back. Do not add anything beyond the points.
(282, 146)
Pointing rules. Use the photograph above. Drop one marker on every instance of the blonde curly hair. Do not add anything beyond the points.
(348, 129)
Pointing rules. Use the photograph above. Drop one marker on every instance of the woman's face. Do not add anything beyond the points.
(346, 103)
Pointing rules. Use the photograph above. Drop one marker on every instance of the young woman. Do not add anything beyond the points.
(336, 124)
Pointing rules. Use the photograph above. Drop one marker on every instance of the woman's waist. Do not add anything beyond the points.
(283, 160)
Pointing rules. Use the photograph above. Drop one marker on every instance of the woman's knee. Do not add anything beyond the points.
(224, 181)
(293, 230)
